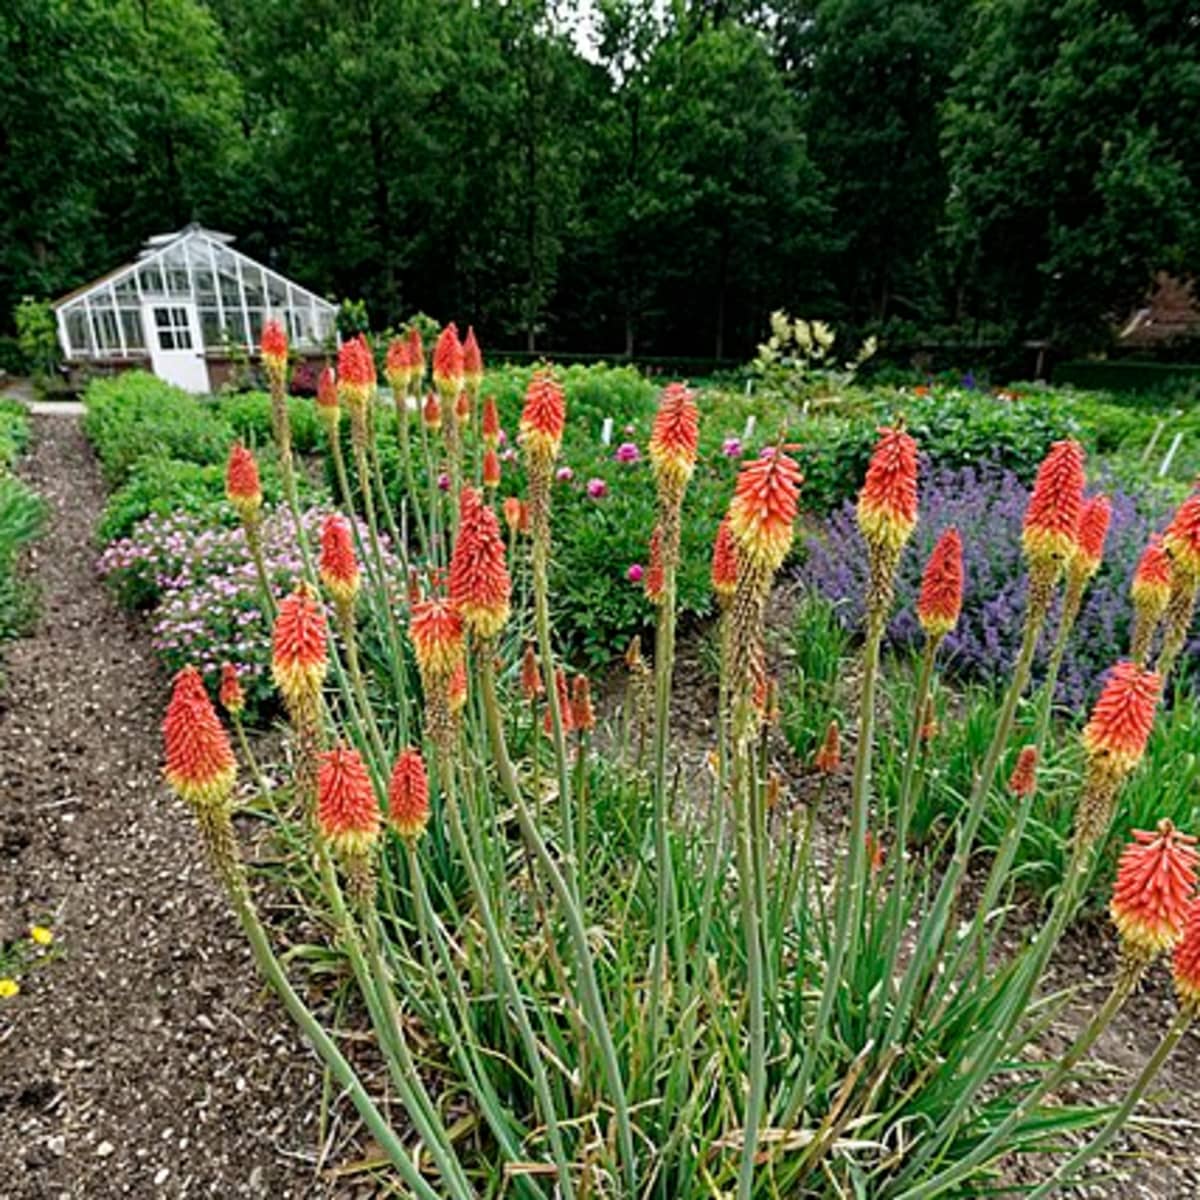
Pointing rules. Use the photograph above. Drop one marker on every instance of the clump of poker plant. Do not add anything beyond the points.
(631, 972)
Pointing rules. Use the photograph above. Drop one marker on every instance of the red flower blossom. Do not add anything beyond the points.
(674, 438)
(398, 365)
(490, 423)
(408, 795)
(299, 661)
(480, 586)
(231, 695)
(356, 372)
(242, 484)
(472, 361)
(1182, 538)
(829, 755)
(763, 509)
(462, 408)
(543, 417)
(940, 601)
(328, 407)
(564, 705)
(416, 353)
(431, 414)
(583, 716)
(200, 765)
(338, 567)
(436, 631)
(1151, 587)
(512, 513)
(1093, 531)
(531, 678)
(655, 576)
(273, 346)
(347, 810)
(491, 468)
(1023, 779)
(724, 563)
(1185, 962)
(1156, 879)
(1052, 518)
(1123, 716)
(448, 363)
(887, 503)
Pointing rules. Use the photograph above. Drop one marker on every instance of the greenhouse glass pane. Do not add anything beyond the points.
(256, 324)
(302, 324)
(276, 292)
(127, 289)
(151, 280)
(252, 282)
(78, 332)
(231, 292)
(131, 321)
(210, 328)
(235, 327)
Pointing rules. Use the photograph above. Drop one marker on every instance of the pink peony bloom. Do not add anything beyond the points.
(635, 573)
(627, 452)
(564, 474)
(597, 489)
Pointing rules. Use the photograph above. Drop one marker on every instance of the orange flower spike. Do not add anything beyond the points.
(231, 694)
(356, 373)
(583, 716)
(491, 468)
(436, 632)
(1123, 716)
(347, 811)
(448, 363)
(398, 365)
(1151, 588)
(480, 587)
(416, 356)
(299, 653)
(531, 678)
(829, 755)
(1156, 879)
(273, 346)
(512, 514)
(1094, 521)
(431, 413)
(940, 600)
(408, 795)
(1023, 779)
(456, 690)
(242, 484)
(887, 503)
(564, 705)
(1055, 506)
(472, 363)
(724, 564)
(543, 418)
(200, 766)
(1182, 538)
(329, 409)
(763, 509)
(674, 439)
(1185, 962)
(655, 578)
(490, 423)
(338, 566)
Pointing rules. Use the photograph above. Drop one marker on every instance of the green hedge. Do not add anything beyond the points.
(1124, 375)
(22, 516)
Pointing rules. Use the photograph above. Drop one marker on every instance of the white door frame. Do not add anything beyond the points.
(172, 329)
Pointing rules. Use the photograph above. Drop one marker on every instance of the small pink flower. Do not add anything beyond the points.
(444, 482)
(635, 573)
(597, 489)
(502, 438)
(732, 447)
(509, 455)
(564, 474)
(629, 429)
(627, 452)
(767, 452)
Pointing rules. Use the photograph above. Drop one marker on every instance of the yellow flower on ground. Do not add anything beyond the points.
(41, 935)
(8, 988)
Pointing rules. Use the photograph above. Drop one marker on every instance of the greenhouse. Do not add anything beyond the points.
(187, 309)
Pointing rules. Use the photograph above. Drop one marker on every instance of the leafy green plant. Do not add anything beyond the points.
(37, 335)
(249, 414)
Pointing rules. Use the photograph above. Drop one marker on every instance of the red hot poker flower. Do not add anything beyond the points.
(543, 417)
(564, 705)
(763, 509)
(1185, 962)
(491, 468)
(1093, 531)
(1151, 587)
(1023, 779)
(398, 364)
(231, 695)
(531, 678)
(347, 810)
(675, 438)
(416, 353)
(456, 692)
(724, 563)
(480, 586)
(298, 661)
(512, 514)
(1052, 518)
(829, 755)
(356, 372)
(887, 503)
(436, 631)
(200, 765)
(1182, 538)
(490, 423)
(273, 346)
(408, 795)
(940, 601)
(1156, 879)
(448, 363)
(431, 413)
(472, 366)
(338, 566)
(583, 716)
(1123, 716)
(328, 408)
(242, 484)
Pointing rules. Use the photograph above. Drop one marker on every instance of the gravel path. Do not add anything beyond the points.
(145, 1060)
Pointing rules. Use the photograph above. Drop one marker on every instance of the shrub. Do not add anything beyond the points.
(22, 515)
(14, 431)
(249, 415)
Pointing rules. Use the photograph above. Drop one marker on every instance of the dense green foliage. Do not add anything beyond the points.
(626, 176)
(22, 514)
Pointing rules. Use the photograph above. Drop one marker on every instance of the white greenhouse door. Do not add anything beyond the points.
(173, 335)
